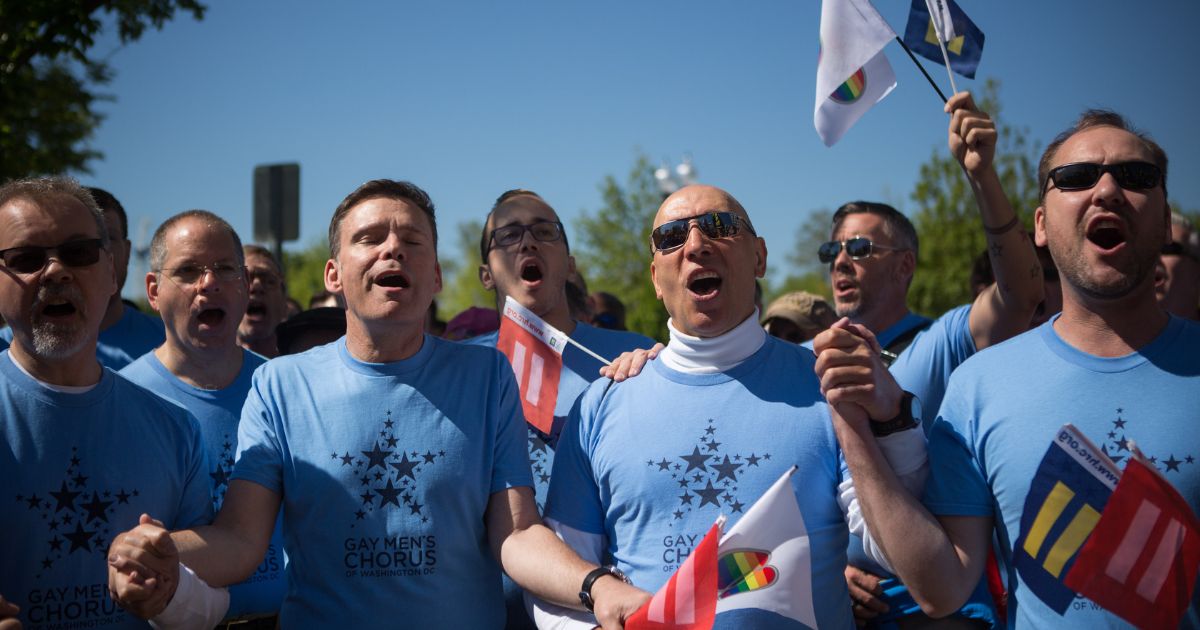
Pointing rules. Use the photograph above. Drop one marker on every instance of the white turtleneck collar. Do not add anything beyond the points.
(696, 355)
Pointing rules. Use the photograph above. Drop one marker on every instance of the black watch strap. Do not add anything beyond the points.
(902, 422)
(585, 590)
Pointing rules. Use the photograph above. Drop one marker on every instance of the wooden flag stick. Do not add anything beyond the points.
(922, 68)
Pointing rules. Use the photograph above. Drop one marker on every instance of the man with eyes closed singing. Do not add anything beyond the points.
(644, 467)
(398, 460)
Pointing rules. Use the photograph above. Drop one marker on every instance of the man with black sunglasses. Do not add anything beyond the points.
(645, 466)
(526, 255)
(69, 479)
(1113, 364)
(125, 332)
(1177, 278)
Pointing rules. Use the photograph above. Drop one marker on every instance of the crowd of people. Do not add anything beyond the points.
(239, 462)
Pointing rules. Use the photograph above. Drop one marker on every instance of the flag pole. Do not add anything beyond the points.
(582, 347)
(936, 17)
(922, 68)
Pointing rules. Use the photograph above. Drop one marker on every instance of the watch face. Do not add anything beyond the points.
(916, 408)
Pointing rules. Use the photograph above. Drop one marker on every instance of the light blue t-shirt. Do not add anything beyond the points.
(385, 471)
(650, 463)
(75, 471)
(1004, 407)
(906, 323)
(924, 368)
(579, 370)
(135, 334)
(217, 412)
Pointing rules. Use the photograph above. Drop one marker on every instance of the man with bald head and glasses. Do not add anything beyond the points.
(645, 466)
(67, 482)
(198, 285)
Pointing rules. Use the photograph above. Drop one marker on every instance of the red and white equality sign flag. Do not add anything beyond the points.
(534, 348)
(688, 601)
(1140, 561)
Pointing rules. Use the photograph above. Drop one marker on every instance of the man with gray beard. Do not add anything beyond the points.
(66, 482)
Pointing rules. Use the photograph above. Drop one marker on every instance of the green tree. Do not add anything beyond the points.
(947, 219)
(612, 247)
(48, 79)
(305, 271)
(461, 288)
(805, 271)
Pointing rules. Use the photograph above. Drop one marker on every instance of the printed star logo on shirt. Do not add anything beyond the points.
(75, 512)
(389, 476)
(708, 475)
(1122, 436)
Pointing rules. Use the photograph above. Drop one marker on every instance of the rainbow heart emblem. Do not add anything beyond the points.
(744, 571)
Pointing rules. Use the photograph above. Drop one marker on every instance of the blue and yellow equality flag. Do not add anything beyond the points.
(964, 49)
(1067, 495)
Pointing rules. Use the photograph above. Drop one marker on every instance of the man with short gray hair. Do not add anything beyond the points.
(67, 484)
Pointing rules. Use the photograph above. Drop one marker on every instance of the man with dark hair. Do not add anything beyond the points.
(68, 481)
(125, 332)
(527, 257)
(1105, 219)
(268, 302)
(394, 484)
(197, 283)
(1177, 282)
(607, 311)
(872, 260)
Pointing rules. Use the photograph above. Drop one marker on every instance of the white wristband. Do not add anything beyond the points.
(195, 605)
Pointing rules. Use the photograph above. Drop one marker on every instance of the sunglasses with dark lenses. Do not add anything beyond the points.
(1175, 248)
(1084, 175)
(544, 231)
(32, 259)
(857, 248)
(673, 234)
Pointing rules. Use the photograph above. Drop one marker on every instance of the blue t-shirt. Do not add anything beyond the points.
(135, 334)
(906, 323)
(75, 471)
(217, 412)
(385, 471)
(1005, 406)
(924, 368)
(650, 463)
(580, 369)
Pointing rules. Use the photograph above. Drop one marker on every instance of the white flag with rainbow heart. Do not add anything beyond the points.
(853, 74)
(764, 561)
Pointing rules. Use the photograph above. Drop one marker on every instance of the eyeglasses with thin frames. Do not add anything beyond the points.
(187, 276)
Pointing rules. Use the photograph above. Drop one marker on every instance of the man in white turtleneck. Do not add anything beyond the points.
(644, 467)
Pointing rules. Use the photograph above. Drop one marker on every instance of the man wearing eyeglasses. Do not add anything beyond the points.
(398, 459)
(125, 332)
(644, 467)
(198, 285)
(68, 477)
(1177, 281)
(526, 255)
(1113, 364)
(268, 302)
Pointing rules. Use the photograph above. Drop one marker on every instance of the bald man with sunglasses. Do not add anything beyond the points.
(68, 425)
(644, 467)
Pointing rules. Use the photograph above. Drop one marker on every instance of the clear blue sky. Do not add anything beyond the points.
(468, 99)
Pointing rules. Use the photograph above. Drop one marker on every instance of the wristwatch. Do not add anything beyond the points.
(585, 591)
(903, 421)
